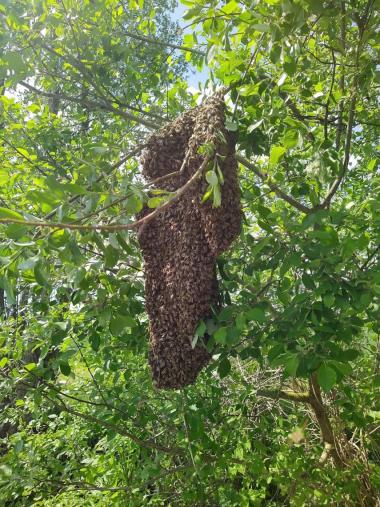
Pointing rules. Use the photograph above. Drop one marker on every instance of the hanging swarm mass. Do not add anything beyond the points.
(180, 244)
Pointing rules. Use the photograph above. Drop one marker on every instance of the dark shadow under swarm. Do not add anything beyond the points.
(180, 244)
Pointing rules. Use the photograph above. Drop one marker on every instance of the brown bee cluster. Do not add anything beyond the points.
(180, 244)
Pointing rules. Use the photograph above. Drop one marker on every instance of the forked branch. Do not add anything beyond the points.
(313, 398)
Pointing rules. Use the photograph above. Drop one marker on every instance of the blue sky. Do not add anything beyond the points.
(195, 77)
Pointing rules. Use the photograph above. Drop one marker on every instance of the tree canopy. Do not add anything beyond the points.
(287, 412)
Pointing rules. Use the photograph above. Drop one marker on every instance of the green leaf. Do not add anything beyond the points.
(58, 336)
(154, 202)
(19, 445)
(95, 342)
(290, 67)
(201, 328)
(4, 177)
(276, 154)
(240, 321)
(230, 7)
(282, 79)
(233, 336)
(5, 474)
(275, 352)
(250, 89)
(232, 126)
(28, 263)
(326, 377)
(30, 366)
(119, 323)
(111, 256)
(372, 165)
(194, 341)
(256, 125)
(292, 260)
(261, 27)
(290, 138)
(220, 335)
(328, 300)
(275, 53)
(315, 6)
(65, 368)
(134, 205)
(260, 245)
(3, 362)
(349, 355)
(15, 61)
(212, 178)
(257, 314)
(217, 197)
(73, 188)
(8, 213)
(8, 288)
(100, 150)
(207, 194)
(291, 364)
(224, 367)
(40, 275)
(220, 175)
(348, 248)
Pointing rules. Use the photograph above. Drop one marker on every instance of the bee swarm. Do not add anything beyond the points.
(180, 244)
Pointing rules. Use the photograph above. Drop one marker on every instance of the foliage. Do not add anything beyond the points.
(288, 411)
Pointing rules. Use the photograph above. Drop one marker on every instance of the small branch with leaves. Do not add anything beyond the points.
(113, 227)
(275, 188)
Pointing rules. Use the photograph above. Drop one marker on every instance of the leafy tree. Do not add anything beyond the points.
(288, 411)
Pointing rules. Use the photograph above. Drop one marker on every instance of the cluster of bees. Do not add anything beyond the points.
(181, 243)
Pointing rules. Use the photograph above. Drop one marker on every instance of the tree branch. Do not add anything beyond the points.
(151, 40)
(312, 397)
(328, 437)
(326, 118)
(113, 227)
(363, 266)
(280, 193)
(117, 164)
(78, 64)
(296, 113)
(339, 129)
(93, 105)
(352, 109)
(303, 397)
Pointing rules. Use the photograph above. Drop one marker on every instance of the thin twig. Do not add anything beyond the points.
(326, 118)
(303, 397)
(363, 266)
(339, 129)
(151, 40)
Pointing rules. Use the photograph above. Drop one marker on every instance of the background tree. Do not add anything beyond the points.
(288, 411)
